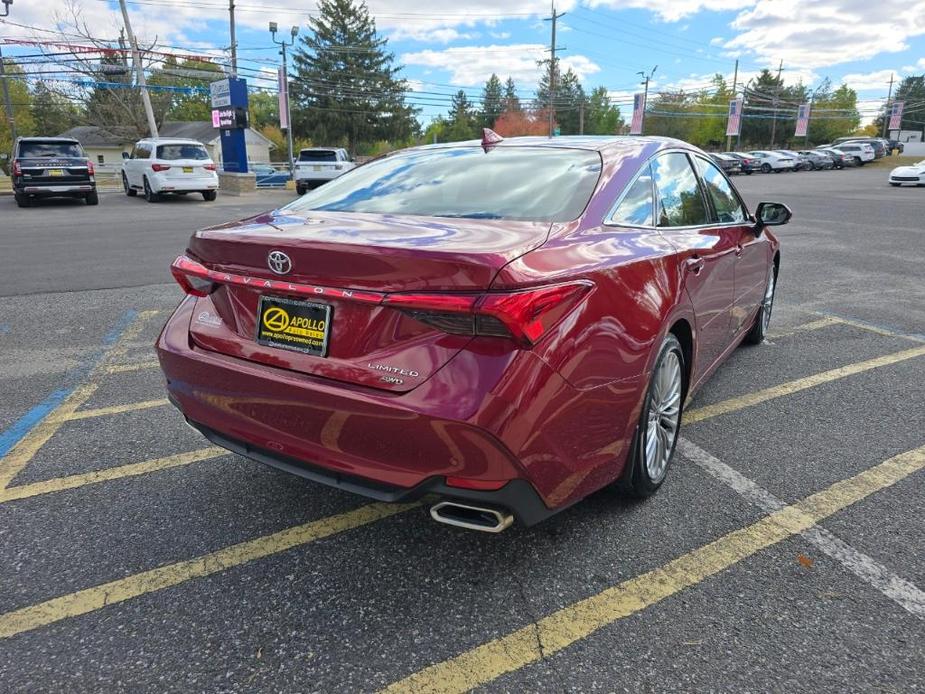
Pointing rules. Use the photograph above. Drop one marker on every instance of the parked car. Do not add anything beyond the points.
(270, 177)
(51, 167)
(157, 167)
(318, 165)
(908, 175)
(476, 327)
(772, 161)
(802, 163)
(748, 163)
(897, 145)
(861, 152)
(879, 146)
(839, 158)
(817, 160)
(729, 165)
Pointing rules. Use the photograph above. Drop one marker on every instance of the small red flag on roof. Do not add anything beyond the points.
(490, 138)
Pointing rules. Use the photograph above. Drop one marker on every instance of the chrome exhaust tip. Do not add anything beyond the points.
(486, 520)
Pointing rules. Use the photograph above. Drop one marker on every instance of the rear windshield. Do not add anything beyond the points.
(171, 152)
(46, 150)
(519, 183)
(318, 155)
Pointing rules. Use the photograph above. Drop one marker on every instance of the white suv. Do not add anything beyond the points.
(317, 165)
(158, 166)
(861, 152)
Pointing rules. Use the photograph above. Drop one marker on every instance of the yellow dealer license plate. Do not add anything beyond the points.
(187, 169)
(56, 172)
(302, 326)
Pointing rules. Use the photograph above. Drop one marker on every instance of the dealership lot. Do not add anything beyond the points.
(784, 552)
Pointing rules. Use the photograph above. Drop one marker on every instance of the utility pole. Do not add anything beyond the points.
(139, 71)
(234, 43)
(645, 98)
(8, 103)
(581, 118)
(776, 101)
(552, 68)
(284, 86)
(735, 79)
(886, 113)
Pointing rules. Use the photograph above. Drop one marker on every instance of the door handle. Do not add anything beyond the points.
(738, 249)
(695, 264)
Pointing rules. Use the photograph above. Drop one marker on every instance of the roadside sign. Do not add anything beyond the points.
(802, 120)
(896, 114)
(734, 119)
(639, 107)
(221, 93)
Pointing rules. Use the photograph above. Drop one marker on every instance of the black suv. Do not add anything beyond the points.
(47, 167)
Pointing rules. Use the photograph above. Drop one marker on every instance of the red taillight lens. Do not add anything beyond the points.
(91, 169)
(17, 169)
(523, 315)
(159, 167)
(209, 167)
(192, 277)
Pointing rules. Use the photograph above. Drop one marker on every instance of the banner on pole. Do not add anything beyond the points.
(734, 121)
(802, 120)
(283, 100)
(639, 107)
(896, 114)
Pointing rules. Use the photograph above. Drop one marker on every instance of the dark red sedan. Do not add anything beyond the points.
(510, 325)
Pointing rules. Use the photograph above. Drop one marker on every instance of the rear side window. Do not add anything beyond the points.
(172, 152)
(49, 150)
(680, 202)
(318, 155)
(548, 184)
(636, 207)
(725, 202)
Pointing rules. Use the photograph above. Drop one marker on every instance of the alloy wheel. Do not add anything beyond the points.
(663, 416)
(767, 304)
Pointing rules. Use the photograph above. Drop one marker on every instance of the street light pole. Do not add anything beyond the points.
(285, 86)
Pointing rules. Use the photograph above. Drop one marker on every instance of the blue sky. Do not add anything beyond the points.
(450, 45)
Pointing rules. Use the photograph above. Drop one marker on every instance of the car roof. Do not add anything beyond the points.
(38, 138)
(171, 141)
(606, 145)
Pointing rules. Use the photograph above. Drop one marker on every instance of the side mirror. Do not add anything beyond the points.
(771, 214)
(125, 155)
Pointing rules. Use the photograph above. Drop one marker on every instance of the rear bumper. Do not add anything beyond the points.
(314, 176)
(193, 184)
(550, 443)
(54, 189)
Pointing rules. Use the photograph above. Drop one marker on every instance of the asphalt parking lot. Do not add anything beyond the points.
(784, 553)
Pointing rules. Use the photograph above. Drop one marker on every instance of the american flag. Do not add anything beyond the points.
(802, 120)
(896, 115)
(735, 117)
(639, 106)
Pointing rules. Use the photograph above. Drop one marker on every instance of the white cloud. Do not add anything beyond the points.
(878, 79)
(674, 10)
(500, 35)
(472, 65)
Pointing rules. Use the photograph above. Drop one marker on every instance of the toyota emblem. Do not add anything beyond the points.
(279, 262)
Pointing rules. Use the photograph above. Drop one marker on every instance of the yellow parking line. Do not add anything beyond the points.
(805, 327)
(581, 619)
(116, 409)
(861, 325)
(120, 590)
(58, 484)
(118, 350)
(759, 396)
(137, 366)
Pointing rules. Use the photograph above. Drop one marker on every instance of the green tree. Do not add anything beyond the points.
(463, 122)
(492, 101)
(22, 102)
(346, 88)
(569, 98)
(263, 109)
(511, 100)
(193, 77)
(52, 113)
(910, 90)
(601, 116)
(834, 114)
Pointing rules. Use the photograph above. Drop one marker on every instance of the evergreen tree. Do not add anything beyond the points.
(346, 88)
(602, 117)
(463, 124)
(492, 101)
(51, 112)
(569, 99)
(910, 90)
(511, 101)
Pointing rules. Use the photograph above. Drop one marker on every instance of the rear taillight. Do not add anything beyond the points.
(91, 170)
(209, 167)
(17, 169)
(525, 316)
(159, 167)
(192, 277)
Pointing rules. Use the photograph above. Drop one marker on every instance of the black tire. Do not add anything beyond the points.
(150, 195)
(759, 330)
(209, 195)
(765, 168)
(131, 192)
(895, 185)
(23, 201)
(637, 480)
(92, 198)
(300, 190)
(857, 160)
(749, 172)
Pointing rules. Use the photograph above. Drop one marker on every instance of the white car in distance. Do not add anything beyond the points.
(317, 165)
(160, 166)
(913, 175)
(774, 161)
(861, 152)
